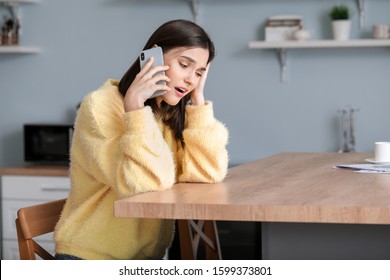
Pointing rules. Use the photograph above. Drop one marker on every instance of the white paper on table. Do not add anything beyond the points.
(372, 171)
(366, 168)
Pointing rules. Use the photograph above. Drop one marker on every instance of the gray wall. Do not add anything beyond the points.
(85, 42)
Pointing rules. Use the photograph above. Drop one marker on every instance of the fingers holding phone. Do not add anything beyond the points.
(150, 71)
(156, 68)
(150, 82)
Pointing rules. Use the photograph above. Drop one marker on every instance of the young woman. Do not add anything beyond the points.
(125, 144)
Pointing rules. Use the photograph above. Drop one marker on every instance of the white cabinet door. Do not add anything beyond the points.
(10, 209)
(43, 188)
(11, 249)
(20, 191)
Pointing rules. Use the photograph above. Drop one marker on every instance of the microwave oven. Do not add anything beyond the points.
(47, 143)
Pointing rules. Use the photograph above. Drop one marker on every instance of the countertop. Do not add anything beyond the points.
(36, 170)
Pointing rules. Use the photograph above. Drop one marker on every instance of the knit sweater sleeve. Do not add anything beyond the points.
(124, 151)
(204, 157)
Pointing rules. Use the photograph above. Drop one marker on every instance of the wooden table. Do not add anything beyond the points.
(288, 187)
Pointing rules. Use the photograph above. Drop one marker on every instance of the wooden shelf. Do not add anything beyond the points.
(281, 47)
(19, 50)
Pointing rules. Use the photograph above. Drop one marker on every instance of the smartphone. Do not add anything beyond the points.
(157, 53)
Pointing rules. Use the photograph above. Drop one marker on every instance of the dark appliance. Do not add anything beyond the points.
(47, 144)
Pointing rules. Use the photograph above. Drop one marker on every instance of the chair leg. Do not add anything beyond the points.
(191, 233)
(211, 230)
(185, 235)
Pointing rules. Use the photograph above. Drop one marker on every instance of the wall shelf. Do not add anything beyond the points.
(319, 44)
(19, 50)
(18, 1)
(282, 46)
(13, 6)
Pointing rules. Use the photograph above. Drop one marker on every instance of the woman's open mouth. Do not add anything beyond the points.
(180, 91)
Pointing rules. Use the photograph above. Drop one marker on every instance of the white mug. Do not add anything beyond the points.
(382, 151)
(380, 31)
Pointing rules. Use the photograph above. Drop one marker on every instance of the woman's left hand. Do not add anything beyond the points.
(197, 96)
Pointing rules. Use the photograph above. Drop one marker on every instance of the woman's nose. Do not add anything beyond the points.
(190, 79)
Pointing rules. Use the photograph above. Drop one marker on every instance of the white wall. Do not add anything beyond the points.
(85, 42)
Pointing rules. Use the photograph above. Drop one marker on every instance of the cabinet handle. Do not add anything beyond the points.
(55, 189)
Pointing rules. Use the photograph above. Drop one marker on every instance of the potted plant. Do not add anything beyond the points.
(341, 23)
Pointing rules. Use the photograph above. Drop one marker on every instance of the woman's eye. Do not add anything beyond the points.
(183, 65)
(198, 74)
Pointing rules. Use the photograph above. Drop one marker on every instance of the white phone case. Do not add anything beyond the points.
(157, 53)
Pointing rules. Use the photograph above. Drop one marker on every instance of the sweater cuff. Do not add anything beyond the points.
(200, 116)
(139, 120)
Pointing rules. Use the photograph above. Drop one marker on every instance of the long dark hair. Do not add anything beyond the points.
(170, 35)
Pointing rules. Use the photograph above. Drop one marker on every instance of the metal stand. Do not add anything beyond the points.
(283, 64)
(362, 13)
(195, 8)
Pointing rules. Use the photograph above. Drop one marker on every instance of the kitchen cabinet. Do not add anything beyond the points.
(20, 189)
(13, 6)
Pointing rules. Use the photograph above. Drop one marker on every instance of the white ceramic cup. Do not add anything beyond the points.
(380, 31)
(382, 151)
(302, 34)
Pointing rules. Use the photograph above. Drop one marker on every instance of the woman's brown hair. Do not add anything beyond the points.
(170, 35)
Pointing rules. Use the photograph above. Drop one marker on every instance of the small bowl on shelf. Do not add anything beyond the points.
(301, 35)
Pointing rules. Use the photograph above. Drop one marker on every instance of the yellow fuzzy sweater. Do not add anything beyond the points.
(115, 155)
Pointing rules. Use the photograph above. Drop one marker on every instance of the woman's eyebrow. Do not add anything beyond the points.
(193, 61)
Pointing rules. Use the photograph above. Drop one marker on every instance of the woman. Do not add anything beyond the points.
(125, 143)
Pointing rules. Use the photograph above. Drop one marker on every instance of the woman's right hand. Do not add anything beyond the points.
(144, 85)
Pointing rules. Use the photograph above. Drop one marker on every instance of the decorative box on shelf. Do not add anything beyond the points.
(9, 32)
(282, 28)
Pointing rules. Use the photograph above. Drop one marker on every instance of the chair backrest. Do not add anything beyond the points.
(34, 221)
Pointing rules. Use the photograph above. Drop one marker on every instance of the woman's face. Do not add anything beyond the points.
(186, 67)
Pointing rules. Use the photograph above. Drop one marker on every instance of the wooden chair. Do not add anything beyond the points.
(40, 219)
(193, 234)
(34, 221)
